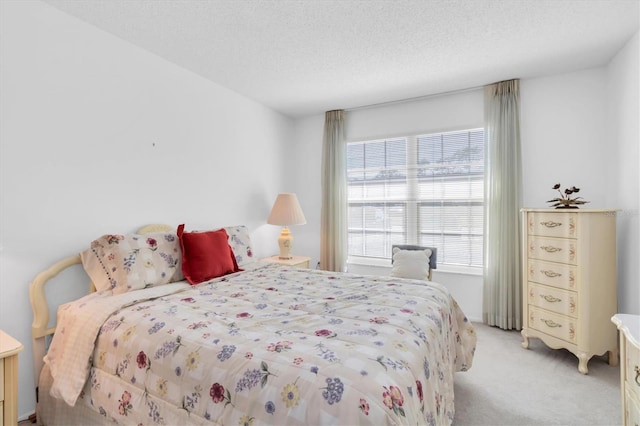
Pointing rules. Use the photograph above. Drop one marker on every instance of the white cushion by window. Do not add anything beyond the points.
(412, 264)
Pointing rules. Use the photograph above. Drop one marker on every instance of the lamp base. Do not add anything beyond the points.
(285, 241)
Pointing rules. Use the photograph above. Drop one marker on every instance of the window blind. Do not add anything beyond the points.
(421, 189)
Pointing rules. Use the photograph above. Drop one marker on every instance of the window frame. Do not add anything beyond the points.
(412, 203)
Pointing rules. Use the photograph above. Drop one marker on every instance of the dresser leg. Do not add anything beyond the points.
(525, 339)
(582, 363)
(613, 357)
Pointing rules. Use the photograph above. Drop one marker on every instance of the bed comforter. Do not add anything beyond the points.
(272, 345)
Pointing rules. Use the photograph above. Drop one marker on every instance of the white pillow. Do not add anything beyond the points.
(412, 264)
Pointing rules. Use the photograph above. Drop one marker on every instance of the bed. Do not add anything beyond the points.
(261, 344)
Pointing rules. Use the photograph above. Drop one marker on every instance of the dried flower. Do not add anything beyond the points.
(565, 201)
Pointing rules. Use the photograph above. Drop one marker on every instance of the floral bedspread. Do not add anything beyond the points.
(277, 345)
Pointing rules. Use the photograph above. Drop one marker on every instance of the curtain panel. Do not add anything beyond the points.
(333, 226)
(502, 301)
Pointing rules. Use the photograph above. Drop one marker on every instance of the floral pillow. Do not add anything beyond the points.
(240, 242)
(131, 262)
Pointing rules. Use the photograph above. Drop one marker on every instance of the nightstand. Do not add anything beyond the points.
(9, 348)
(295, 261)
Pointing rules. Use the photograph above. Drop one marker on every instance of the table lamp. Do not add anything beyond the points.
(286, 211)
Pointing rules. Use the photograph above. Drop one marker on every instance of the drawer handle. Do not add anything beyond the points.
(637, 370)
(550, 298)
(551, 274)
(550, 249)
(551, 224)
(551, 323)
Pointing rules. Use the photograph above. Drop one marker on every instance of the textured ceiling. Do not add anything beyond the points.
(305, 57)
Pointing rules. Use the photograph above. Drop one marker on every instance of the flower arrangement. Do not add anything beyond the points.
(565, 201)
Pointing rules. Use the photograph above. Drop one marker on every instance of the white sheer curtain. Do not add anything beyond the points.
(333, 227)
(502, 302)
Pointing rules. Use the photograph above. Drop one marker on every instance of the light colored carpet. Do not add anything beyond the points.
(510, 385)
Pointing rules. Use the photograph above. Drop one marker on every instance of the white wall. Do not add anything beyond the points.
(623, 126)
(303, 178)
(100, 136)
(582, 129)
(564, 137)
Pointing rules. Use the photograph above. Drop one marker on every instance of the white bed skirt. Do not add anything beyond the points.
(53, 412)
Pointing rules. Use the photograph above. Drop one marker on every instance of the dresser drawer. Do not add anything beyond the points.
(632, 364)
(553, 299)
(552, 249)
(554, 274)
(563, 225)
(632, 412)
(556, 325)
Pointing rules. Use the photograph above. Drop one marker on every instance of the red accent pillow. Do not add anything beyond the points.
(206, 255)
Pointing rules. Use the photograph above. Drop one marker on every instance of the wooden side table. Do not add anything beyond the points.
(295, 261)
(9, 349)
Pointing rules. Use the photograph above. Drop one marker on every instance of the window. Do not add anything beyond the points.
(425, 189)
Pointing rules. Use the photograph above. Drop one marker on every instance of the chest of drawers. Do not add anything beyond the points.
(569, 281)
(629, 326)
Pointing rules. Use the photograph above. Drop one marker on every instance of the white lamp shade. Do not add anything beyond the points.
(286, 211)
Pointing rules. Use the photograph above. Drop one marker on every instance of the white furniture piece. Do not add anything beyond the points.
(569, 281)
(295, 261)
(629, 326)
(9, 349)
